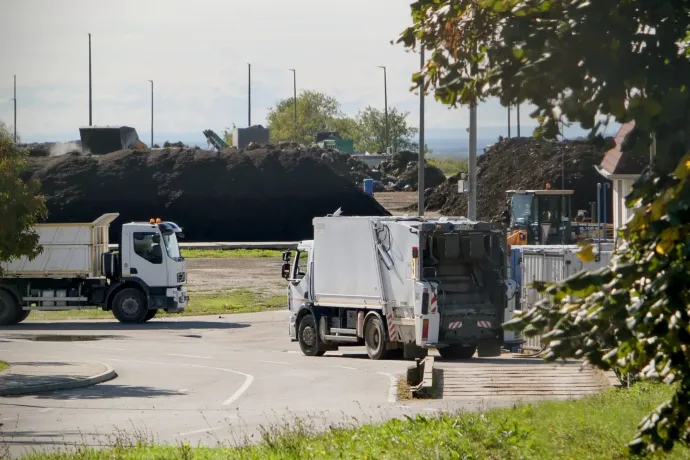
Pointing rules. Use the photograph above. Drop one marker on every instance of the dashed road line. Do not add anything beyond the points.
(343, 367)
(205, 430)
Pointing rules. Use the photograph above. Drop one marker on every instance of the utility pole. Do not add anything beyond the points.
(249, 96)
(508, 121)
(151, 113)
(90, 94)
(15, 109)
(517, 108)
(420, 163)
(385, 101)
(294, 92)
(472, 167)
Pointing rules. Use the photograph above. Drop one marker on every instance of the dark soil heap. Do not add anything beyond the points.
(524, 164)
(263, 194)
(401, 172)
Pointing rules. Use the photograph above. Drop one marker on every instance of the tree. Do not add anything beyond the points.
(228, 133)
(579, 61)
(370, 132)
(315, 112)
(20, 204)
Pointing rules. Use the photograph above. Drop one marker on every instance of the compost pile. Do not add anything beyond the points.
(45, 149)
(401, 172)
(523, 164)
(262, 194)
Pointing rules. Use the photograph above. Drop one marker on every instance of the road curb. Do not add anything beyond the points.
(104, 376)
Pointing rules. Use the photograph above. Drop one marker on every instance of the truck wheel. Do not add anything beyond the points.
(23, 315)
(375, 338)
(10, 311)
(129, 306)
(150, 315)
(308, 337)
(456, 351)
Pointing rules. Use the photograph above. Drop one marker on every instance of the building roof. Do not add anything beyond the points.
(617, 162)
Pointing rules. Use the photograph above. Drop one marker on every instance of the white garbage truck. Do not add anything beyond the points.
(76, 270)
(399, 283)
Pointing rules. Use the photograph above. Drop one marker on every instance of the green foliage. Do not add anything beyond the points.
(370, 132)
(450, 166)
(578, 61)
(592, 428)
(315, 112)
(20, 204)
(318, 112)
(228, 133)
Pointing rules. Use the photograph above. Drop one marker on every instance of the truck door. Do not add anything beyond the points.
(298, 290)
(147, 258)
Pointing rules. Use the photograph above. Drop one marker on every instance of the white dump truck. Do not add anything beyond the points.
(398, 283)
(77, 271)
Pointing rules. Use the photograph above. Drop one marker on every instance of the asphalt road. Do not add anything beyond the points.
(206, 380)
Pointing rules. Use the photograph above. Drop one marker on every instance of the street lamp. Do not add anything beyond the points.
(385, 101)
(151, 113)
(15, 109)
(294, 89)
(249, 95)
(90, 96)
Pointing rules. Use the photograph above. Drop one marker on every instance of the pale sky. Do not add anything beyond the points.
(197, 52)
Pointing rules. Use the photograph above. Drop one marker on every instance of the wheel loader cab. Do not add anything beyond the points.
(539, 217)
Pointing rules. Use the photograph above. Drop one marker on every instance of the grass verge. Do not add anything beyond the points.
(596, 427)
(3, 366)
(450, 166)
(237, 301)
(230, 253)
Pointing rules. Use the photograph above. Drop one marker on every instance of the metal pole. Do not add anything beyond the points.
(249, 95)
(151, 113)
(472, 202)
(508, 121)
(420, 164)
(599, 212)
(606, 186)
(385, 103)
(517, 108)
(15, 109)
(90, 93)
(294, 89)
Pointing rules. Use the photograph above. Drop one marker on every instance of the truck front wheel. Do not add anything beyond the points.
(456, 351)
(129, 306)
(308, 337)
(375, 338)
(10, 311)
(150, 315)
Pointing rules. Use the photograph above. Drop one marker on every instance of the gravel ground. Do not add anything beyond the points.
(215, 276)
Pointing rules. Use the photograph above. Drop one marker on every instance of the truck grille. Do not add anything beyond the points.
(181, 277)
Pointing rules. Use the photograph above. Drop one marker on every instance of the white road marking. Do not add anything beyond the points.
(205, 430)
(47, 409)
(274, 362)
(191, 356)
(248, 379)
(344, 367)
(184, 390)
(393, 390)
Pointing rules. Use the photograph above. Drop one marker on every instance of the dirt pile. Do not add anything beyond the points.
(523, 163)
(46, 149)
(260, 194)
(401, 172)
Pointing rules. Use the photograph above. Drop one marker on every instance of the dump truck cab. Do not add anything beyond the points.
(539, 217)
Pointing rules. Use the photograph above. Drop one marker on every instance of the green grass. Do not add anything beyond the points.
(449, 166)
(229, 254)
(596, 427)
(3, 366)
(237, 301)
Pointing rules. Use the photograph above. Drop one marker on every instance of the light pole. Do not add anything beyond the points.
(15, 109)
(90, 94)
(508, 121)
(517, 109)
(249, 95)
(151, 113)
(385, 101)
(420, 163)
(294, 92)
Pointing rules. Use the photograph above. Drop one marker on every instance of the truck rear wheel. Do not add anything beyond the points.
(10, 310)
(308, 337)
(456, 351)
(23, 315)
(150, 315)
(375, 338)
(129, 306)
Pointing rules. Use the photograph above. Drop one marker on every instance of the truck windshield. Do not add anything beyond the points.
(172, 247)
(521, 209)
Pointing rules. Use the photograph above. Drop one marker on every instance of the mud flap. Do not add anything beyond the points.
(427, 318)
(489, 351)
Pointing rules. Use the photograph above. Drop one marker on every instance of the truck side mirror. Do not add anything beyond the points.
(286, 271)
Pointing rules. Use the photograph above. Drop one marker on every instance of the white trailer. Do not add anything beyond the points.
(76, 270)
(393, 283)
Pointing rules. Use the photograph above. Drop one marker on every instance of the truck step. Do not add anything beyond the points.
(338, 330)
(341, 338)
